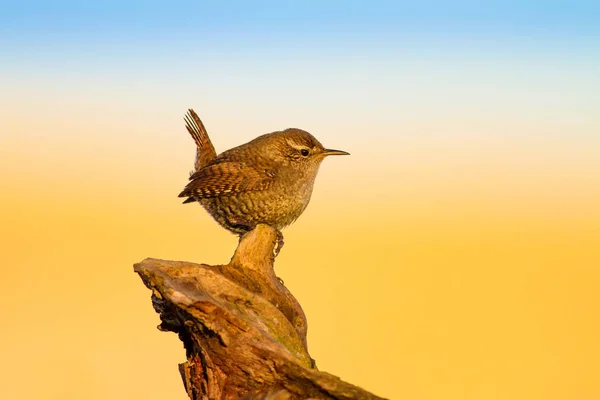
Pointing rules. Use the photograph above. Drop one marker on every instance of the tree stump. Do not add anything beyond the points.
(243, 331)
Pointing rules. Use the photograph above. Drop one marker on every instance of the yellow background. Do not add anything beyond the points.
(454, 255)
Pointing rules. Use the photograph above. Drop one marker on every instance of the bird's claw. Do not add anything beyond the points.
(278, 244)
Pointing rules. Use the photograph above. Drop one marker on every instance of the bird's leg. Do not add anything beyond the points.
(239, 227)
(277, 249)
(279, 244)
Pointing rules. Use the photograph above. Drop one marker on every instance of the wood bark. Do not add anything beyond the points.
(243, 331)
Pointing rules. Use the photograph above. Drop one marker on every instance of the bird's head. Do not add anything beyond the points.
(300, 149)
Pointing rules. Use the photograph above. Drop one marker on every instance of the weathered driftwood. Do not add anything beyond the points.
(243, 331)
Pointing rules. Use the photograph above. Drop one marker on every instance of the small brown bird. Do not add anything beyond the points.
(268, 180)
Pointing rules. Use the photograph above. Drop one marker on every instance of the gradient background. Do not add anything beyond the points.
(454, 255)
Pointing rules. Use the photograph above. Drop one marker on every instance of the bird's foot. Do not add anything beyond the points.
(278, 244)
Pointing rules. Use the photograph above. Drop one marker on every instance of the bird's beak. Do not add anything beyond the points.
(330, 152)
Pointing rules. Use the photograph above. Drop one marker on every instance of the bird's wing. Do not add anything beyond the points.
(205, 152)
(226, 178)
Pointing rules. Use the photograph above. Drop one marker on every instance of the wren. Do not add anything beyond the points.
(268, 180)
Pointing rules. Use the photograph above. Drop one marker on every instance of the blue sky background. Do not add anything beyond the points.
(30, 26)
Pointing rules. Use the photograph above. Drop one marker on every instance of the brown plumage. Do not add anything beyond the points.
(205, 151)
(224, 178)
(268, 180)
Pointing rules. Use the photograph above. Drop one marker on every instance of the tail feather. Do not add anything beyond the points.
(205, 152)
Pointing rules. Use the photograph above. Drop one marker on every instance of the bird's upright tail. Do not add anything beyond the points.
(205, 152)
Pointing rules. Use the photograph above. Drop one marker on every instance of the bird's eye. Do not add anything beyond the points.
(304, 152)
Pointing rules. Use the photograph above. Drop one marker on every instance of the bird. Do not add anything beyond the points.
(268, 180)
